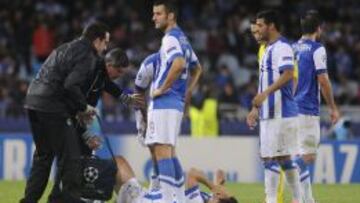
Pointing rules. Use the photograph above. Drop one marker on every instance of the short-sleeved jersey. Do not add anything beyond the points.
(311, 60)
(147, 71)
(278, 57)
(174, 44)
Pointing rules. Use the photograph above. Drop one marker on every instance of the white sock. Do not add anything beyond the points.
(293, 180)
(129, 191)
(306, 188)
(154, 183)
(271, 184)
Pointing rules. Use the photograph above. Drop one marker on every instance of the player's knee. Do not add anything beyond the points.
(192, 172)
(282, 159)
(309, 158)
(120, 161)
(191, 180)
(270, 164)
(162, 151)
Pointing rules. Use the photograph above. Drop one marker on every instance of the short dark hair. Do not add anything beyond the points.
(270, 16)
(170, 6)
(252, 21)
(95, 30)
(310, 22)
(117, 58)
(228, 200)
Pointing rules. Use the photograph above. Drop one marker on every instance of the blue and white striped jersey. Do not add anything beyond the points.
(174, 44)
(278, 56)
(311, 60)
(147, 71)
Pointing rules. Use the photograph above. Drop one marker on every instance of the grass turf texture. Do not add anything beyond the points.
(12, 191)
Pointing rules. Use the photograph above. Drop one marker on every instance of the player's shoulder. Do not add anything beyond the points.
(174, 33)
(283, 43)
(282, 46)
(311, 44)
(152, 58)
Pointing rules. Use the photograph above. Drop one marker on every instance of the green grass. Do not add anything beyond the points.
(12, 191)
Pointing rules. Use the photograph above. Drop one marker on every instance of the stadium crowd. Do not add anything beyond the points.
(218, 29)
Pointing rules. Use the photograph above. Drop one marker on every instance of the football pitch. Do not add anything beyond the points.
(11, 192)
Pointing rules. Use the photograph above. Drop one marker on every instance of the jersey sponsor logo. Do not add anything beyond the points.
(171, 49)
(287, 58)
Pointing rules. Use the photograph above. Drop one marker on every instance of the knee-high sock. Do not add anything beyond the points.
(154, 179)
(292, 177)
(272, 171)
(168, 185)
(305, 181)
(179, 177)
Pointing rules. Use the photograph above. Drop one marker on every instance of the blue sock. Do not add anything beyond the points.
(288, 165)
(179, 173)
(304, 168)
(167, 180)
(166, 170)
(272, 166)
(155, 169)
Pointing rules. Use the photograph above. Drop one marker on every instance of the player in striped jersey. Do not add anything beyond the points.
(313, 77)
(193, 194)
(276, 106)
(255, 32)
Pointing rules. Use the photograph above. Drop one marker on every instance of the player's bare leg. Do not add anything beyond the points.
(154, 179)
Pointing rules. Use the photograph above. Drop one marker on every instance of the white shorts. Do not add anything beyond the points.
(278, 137)
(133, 192)
(163, 126)
(309, 133)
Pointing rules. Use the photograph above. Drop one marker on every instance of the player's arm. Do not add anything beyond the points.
(177, 67)
(285, 63)
(195, 74)
(73, 81)
(324, 82)
(196, 176)
(284, 78)
(175, 57)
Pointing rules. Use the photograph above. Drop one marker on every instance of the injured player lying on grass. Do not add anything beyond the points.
(131, 191)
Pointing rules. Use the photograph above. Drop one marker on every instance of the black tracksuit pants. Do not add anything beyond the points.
(54, 135)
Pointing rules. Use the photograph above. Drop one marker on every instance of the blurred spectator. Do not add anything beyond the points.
(30, 29)
(229, 94)
(43, 41)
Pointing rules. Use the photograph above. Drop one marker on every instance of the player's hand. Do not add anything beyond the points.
(251, 118)
(259, 99)
(334, 115)
(135, 99)
(220, 192)
(141, 126)
(157, 92)
(87, 117)
(94, 142)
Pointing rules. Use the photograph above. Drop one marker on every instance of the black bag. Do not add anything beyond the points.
(98, 175)
(98, 178)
